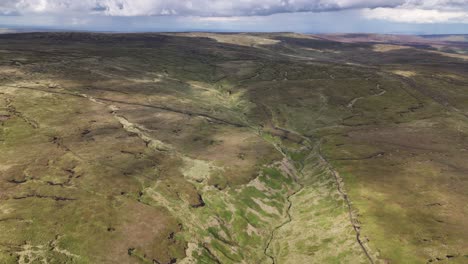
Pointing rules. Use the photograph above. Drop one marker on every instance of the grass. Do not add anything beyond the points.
(239, 179)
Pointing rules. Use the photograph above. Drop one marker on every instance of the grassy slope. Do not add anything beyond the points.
(165, 148)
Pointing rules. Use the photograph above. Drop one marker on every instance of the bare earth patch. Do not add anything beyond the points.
(405, 73)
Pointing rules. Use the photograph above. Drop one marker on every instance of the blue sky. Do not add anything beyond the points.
(310, 16)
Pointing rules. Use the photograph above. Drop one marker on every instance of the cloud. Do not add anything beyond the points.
(422, 12)
(406, 11)
(421, 16)
(206, 8)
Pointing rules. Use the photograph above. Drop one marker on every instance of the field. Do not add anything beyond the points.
(233, 148)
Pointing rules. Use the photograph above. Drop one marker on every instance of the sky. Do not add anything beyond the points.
(306, 16)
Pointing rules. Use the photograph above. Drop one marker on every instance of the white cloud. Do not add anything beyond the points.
(187, 7)
(408, 11)
(416, 15)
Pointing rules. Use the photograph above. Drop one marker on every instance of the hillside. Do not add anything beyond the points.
(232, 148)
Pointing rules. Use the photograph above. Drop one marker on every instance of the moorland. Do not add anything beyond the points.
(233, 148)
